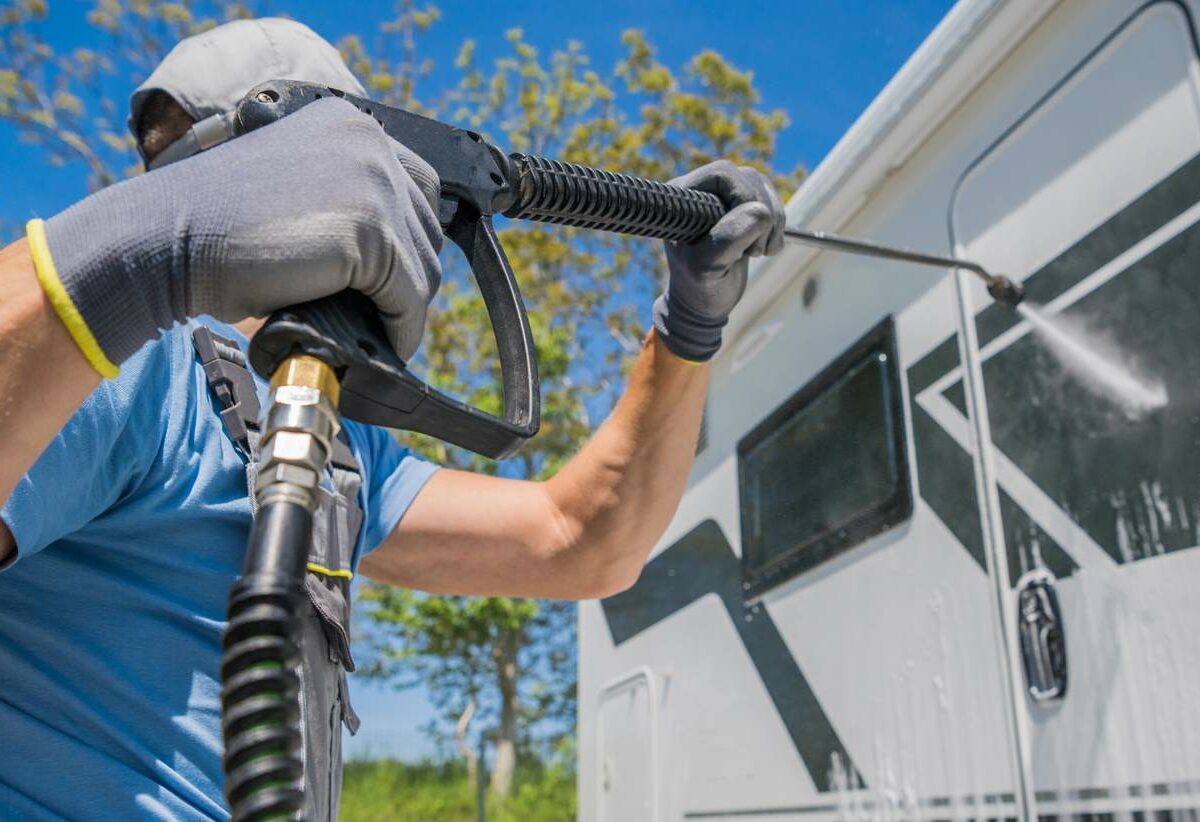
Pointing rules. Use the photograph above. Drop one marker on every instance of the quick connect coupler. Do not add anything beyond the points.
(298, 434)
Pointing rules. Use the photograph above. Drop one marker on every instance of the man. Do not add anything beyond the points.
(127, 510)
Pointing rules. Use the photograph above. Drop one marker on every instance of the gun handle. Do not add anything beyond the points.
(376, 386)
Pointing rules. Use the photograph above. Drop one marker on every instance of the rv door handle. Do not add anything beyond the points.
(1043, 644)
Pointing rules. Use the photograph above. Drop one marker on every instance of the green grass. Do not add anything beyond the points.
(428, 792)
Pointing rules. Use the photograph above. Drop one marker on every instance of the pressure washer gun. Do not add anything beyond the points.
(330, 358)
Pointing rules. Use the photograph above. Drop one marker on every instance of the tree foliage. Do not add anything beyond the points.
(71, 103)
(587, 293)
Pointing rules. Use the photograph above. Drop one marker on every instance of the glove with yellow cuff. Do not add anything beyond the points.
(319, 202)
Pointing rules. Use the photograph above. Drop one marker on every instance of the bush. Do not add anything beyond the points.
(439, 792)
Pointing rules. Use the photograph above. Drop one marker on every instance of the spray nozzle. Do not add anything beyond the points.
(1004, 290)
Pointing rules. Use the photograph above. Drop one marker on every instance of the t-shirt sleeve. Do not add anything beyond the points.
(98, 457)
(392, 478)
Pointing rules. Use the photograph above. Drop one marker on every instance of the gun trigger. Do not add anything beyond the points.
(447, 209)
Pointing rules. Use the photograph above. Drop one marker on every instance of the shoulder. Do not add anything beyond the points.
(156, 395)
(107, 451)
(138, 390)
(393, 476)
(158, 363)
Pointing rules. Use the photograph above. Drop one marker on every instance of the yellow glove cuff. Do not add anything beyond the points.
(47, 276)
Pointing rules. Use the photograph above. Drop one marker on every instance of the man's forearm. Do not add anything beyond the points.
(585, 532)
(619, 493)
(44, 377)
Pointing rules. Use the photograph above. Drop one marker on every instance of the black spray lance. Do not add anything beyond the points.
(330, 358)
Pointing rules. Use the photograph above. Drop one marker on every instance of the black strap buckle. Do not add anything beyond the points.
(232, 385)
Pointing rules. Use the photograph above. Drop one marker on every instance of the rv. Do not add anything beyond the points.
(937, 557)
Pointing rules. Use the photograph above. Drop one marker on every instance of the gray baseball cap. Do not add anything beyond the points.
(209, 73)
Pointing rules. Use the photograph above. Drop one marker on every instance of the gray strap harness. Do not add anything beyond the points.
(325, 634)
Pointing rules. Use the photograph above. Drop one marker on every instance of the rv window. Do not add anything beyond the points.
(826, 470)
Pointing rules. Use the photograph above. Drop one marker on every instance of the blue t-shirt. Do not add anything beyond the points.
(130, 530)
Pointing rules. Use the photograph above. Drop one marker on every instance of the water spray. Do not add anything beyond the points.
(1079, 354)
(1084, 355)
(1002, 289)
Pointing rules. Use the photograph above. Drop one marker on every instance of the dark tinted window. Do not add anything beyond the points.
(827, 469)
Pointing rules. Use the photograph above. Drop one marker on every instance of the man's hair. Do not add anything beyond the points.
(161, 122)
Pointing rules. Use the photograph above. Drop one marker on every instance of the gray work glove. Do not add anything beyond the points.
(300, 209)
(708, 276)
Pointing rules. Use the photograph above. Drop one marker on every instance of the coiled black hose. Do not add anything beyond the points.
(551, 191)
(260, 716)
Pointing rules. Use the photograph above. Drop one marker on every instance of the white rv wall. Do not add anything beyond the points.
(895, 637)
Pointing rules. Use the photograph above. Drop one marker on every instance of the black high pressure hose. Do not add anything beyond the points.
(260, 713)
(260, 687)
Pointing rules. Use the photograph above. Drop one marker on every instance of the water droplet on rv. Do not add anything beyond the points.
(1081, 356)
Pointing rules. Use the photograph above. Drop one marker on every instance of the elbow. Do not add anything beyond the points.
(619, 577)
(592, 570)
(595, 555)
(600, 572)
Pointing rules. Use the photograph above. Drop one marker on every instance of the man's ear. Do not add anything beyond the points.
(161, 122)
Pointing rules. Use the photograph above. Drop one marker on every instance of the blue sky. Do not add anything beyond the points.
(822, 61)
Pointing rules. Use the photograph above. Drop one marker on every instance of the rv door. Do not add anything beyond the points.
(1093, 199)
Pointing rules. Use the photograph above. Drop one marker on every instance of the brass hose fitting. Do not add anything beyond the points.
(298, 432)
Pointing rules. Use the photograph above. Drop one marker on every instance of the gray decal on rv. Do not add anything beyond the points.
(1127, 478)
(703, 563)
(947, 482)
(1124, 478)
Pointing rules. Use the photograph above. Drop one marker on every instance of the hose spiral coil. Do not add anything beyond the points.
(552, 191)
(259, 702)
(260, 681)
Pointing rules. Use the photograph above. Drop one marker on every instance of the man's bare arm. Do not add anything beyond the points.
(586, 532)
(583, 533)
(43, 376)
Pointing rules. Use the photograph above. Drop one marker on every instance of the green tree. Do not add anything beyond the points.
(587, 293)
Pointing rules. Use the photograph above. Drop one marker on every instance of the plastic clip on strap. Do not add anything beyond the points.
(231, 383)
